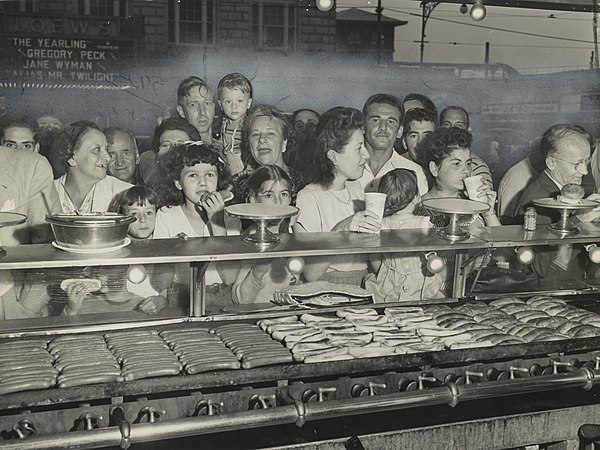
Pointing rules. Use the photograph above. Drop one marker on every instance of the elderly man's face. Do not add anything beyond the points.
(570, 163)
(124, 157)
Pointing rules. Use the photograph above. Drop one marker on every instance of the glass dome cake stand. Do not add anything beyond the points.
(564, 226)
(8, 219)
(262, 215)
(454, 207)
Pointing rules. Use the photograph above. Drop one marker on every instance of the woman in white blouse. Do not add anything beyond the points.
(334, 201)
(79, 158)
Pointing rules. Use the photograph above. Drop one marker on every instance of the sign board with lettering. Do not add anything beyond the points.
(65, 60)
(64, 50)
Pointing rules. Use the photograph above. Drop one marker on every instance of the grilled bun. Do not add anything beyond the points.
(571, 193)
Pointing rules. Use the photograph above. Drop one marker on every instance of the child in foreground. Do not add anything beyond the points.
(140, 202)
(257, 280)
(124, 288)
(195, 208)
(401, 278)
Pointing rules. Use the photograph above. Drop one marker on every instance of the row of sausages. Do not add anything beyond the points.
(81, 359)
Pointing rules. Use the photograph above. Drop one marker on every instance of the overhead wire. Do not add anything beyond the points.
(504, 30)
(496, 14)
(495, 45)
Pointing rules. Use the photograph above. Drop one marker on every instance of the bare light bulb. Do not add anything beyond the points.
(136, 273)
(463, 8)
(593, 253)
(325, 5)
(525, 255)
(435, 264)
(295, 265)
(478, 11)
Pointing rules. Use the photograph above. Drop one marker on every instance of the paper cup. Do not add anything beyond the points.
(375, 202)
(471, 185)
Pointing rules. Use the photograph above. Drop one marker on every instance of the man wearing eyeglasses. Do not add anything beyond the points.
(567, 150)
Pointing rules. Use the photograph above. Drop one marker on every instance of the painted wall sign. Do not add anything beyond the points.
(54, 59)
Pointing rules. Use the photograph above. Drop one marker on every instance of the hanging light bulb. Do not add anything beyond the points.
(325, 5)
(478, 11)
(463, 8)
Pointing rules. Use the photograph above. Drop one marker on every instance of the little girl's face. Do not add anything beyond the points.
(196, 181)
(145, 216)
(274, 193)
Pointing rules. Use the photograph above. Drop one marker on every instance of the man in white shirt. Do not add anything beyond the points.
(383, 118)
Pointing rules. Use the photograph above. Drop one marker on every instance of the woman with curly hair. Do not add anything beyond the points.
(335, 199)
(446, 157)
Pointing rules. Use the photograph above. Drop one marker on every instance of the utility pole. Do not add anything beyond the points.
(379, 12)
(426, 10)
(595, 25)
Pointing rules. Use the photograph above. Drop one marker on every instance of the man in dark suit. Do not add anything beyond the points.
(567, 150)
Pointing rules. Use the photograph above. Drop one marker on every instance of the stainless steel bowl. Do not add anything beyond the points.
(90, 231)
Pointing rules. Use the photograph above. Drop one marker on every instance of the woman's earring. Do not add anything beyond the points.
(71, 162)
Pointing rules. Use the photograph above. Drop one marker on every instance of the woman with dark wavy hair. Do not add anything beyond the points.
(335, 199)
(446, 157)
(79, 159)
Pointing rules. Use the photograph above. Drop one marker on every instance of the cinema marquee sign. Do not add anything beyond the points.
(46, 49)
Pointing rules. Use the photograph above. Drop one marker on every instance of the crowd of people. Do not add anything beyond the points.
(321, 163)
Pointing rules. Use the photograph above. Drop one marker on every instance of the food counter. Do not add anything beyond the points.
(494, 371)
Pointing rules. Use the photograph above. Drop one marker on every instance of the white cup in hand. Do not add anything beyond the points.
(375, 202)
(472, 186)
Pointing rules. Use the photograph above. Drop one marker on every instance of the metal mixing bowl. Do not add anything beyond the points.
(90, 231)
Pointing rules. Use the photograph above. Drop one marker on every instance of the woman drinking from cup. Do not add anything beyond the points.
(335, 201)
(446, 157)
